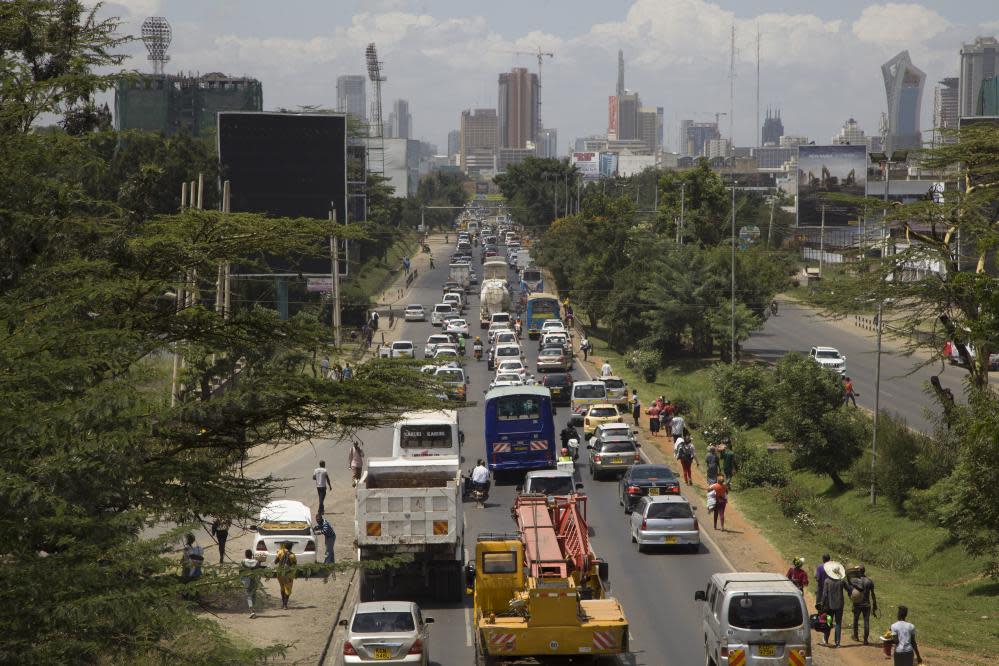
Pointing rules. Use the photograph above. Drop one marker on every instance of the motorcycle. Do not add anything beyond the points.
(477, 350)
(471, 491)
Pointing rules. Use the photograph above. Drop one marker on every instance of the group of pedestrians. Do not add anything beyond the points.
(335, 372)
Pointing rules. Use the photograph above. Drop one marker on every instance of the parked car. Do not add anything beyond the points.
(617, 390)
(283, 521)
(387, 632)
(552, 359)
(646, 481)
(666, 520)
(415, 312)
(398, 349)
(612, 455)
(560, 386)
(829, 358)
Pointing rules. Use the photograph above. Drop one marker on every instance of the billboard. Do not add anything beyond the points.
(287, 165)
(612, 117)
(825, 170)
(587, 164)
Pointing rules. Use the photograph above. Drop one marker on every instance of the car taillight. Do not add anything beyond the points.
(348, 649)
(310, 547)
(596, 457)
(261, 545)
(645, 524)
(634, 490)
(675, 489)
(416, 647)
(638, 458)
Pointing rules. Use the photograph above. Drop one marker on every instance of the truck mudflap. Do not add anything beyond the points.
(542, 642)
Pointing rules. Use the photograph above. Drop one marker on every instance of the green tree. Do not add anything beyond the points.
(535, 190)
(704, 200)
(808, 418)
(744, 391)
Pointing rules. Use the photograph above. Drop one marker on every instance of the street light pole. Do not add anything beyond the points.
(679, 235)
(733, 271)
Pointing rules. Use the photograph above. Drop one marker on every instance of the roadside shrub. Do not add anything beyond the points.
(718, 431)
(645, 362)
(791, 500)
(744, 392)
(759, 467)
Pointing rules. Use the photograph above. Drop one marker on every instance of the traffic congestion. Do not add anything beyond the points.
(534, 524)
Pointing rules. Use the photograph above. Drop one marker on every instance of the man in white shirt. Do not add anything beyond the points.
(480, 475)
(322, 479)
(905, 640)
(605, 370)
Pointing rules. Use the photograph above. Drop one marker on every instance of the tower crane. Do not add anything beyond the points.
(540, 55)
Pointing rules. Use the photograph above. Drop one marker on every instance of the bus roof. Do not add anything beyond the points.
(429, 416)
(533, 297)
(504, 391)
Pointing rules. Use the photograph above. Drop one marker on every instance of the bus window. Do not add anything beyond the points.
(516, 408)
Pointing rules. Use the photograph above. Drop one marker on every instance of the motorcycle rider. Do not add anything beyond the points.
(477, 348)
(517, 326)
(568, 432)
(480, 480)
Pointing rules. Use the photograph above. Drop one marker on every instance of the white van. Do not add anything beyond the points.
(427, 433)
(441, 309)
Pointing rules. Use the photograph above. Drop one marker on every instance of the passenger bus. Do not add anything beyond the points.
(531, 280)
(540, 307)
(520, 429)
(427, 433)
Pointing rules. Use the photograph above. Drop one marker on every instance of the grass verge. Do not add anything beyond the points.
(375, 275)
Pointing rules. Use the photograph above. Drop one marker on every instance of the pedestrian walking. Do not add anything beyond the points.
(864, 600)
(191, 559)
(831, 600)
(324, 367)
(904, 633)
(247, 576)
(431, 262)
(584, 346)
(848, 392)
(220, 530)
(677, 425)
(711, 463)
(720, 491)
(636, 408)
(329, 537)
(820, 576)
(686, 455)
(653, 413)
(728, 462)
(322, 478)
(374, 321)
(347, 372)
(355, 461)
(285, 562)
(605, 369)
(796, 574)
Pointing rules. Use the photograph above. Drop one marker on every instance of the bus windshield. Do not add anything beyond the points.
(430, 436)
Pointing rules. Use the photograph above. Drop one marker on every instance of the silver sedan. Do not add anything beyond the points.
(664, 520)
(387, 632)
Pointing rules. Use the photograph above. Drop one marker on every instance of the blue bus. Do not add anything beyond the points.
(520, 429)
(540, 308)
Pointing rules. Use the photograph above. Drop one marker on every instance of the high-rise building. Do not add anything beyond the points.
(453, 142)
(350, 96)
(627, 116)
(400, 120)
(697, 137)
(620, 73)
(904, 89)
(945, 98)
(717, 148)
(681, 147)
(988, 98)
(773, 128)
(787, 141)
(479, 140)
(548, 142)
(979, 61)
(648, 127)
(850, 134)
(518, 108)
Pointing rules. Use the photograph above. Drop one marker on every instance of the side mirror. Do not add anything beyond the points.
(342, 623)
(700, 596)
(252, 528)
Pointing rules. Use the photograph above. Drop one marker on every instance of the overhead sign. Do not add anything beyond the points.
(827, 170)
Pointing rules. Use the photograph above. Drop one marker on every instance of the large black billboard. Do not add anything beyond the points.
(825, 170)
(287, 165)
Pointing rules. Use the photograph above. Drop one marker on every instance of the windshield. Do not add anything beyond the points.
(543, 307)
(827, 354)
(552, 485)
(503, 318)
(532, 276)
(765, 611)
(456, 376)
(508, 377)
(603, 411)
(617, 447)
(508, 351)
(669, 511)
(376, 623)
(515, 408)
(651, 473)
(414, 308)
(556, 380)
(589, 391)
(614, 383)
(552, 351)
(442, 308)
(429, 436)
(511, 366)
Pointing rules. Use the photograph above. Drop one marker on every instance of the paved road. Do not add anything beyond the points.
(656, 589)
(902, 390)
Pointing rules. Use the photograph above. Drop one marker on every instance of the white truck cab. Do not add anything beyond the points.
(427, 433)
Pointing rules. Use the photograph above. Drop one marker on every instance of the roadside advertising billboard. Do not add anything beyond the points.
(825, 170)
(612, 116)
(588, 165)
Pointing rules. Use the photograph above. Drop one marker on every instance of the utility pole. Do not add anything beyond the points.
(679, 231)
(770, 227)
(822, 239)
(335, 286)
(733, 262)
(759, 129)
(731, 93)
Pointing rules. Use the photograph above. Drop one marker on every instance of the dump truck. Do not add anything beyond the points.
(409, 529)
(459, 273)
(542, 592)
(495, 297)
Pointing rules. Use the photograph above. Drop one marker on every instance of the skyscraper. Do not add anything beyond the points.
(548, 142)
(518, 108)
(979, 61)
(400, 120)
(479, 134)
(627, 115)
(620, 72)
(773, 128)
(850, 134)
(945, 103)
(904, 89)
(648, 127)
(697, 137)
(350, 95)
(453, 142)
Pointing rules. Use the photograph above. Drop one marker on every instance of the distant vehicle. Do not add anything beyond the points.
(829, 358)
(427, 434)
(512, 365)
(455, 299)
(446, 354)
(506, 379)
(283, 521)
(585, 394)
(646, 481)
(506, 338)
(503, 353)
(494, 298)
(398, 349)
(552, 359)
(954, 356)
(454, 380)
(495, 269)
(532, 279)
(437, 316)
(613, 454)
(432, 342)
(560, 385)
(519, 429)
(549, 482)
(540, 308)
(459, 326)
(497, 326)
(666, 520)
(553, 326)
(473, 277)
(415, 312)
(617, 390)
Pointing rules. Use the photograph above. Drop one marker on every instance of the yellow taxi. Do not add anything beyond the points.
(598, 414)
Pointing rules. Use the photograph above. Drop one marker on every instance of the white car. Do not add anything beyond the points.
(506, 379)
(504, 353)
(387, 632)
(459, 326)
(829, 358)
(415, 312)
(437, 316)
(514, 365)
(496, 327)
(506, 338)
(552, 326)
(285, 521)
(398, 349)
(446, 353)
(433, 341)
(454, 298)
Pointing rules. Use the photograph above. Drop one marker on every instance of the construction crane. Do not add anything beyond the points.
(540, 55)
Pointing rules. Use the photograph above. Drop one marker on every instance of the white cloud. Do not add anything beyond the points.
(898, 25)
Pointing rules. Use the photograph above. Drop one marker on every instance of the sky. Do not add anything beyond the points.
(820, 62)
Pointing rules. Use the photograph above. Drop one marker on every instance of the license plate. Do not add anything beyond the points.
(556, 391)
(383, 653)
(672, 539)
(766, 650)
(653, 491)
(617, 461)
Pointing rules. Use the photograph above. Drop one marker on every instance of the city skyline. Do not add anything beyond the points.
(676, 50)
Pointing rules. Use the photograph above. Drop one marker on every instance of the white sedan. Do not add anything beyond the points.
(512, 366)
(459, 326)
(415, 312)
(506, 379)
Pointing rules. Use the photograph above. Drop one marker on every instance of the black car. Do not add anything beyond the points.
(641, 480)
(560, 385)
